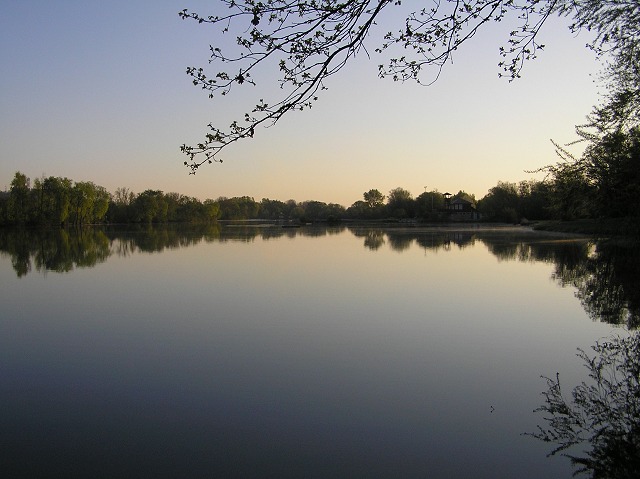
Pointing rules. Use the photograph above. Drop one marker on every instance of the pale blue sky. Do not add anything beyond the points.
(97, 91)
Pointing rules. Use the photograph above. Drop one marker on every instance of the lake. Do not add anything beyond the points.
(261, 351)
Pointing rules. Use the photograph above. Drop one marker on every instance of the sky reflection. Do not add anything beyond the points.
(298, 356)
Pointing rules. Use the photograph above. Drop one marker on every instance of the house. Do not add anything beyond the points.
(460, 209)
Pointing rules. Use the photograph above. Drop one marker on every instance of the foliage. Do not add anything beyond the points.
(606, 283)
(612, 167)
(603, 415)
(307, 42)
(618, 36)
(19, 198)
(510, 202)
(603, 183)
(463, 195)
(400, 203)
(429, 206)
(372, 207)
(534, 200)
(55, 201)
(499, 203)
(373, 198)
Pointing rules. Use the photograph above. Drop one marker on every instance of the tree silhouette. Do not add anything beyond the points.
(599, 428)
(309, 41)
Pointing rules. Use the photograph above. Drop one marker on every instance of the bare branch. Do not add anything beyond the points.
(308, 41)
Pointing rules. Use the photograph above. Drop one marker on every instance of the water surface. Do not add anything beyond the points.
(267, 352)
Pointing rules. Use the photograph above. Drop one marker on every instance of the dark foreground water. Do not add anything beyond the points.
(311, 353)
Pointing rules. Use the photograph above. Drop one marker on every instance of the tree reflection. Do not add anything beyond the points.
(373, 237)
(18, 245)
(56, 250)
(401, 239)
(608, 284)
(61, 250)
(603, 274)
(598, 429)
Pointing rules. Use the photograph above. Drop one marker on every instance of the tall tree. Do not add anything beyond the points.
(57, 192)
(500, 203)
(429, 204)
(373, 198)
(83, 197)
(400, 203)
(19, 198)
(309, 41)
(150, 205)
(603, 182)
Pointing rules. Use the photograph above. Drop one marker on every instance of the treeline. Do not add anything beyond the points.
(56, 201)
(603, 183)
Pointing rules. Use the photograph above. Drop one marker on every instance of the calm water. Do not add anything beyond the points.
(268, 352)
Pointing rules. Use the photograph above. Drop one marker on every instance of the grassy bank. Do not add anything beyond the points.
(629, 227)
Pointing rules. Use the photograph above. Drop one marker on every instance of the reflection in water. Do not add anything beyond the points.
(605, 276)
(293, 361)
(373, 238)
(60, 251)
(608, 283)
(599, 428)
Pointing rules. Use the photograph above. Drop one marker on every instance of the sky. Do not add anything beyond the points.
(98, 91)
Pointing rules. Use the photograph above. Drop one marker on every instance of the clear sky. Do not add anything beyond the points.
(97, 91)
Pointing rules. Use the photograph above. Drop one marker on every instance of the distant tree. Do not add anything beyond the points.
(273, 209)
(176, 206)
(335, 211)
(19, 198)
(373, 198)
(293, 210)
(121, 208)
(100, 204)
(314, 210)
(358, 210)
(150, 206)
(463, 195)
(429, 205)
(88, 202)
(238, 208)
(400, 203)
(83, 195)
(57, 192)
(123, 196)
(4, 207)
(211, 210)
(298, 213)
(508, 202)
(372, 207)
(534, 200)
(50, 201)
(309, 41)
(501, 203)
